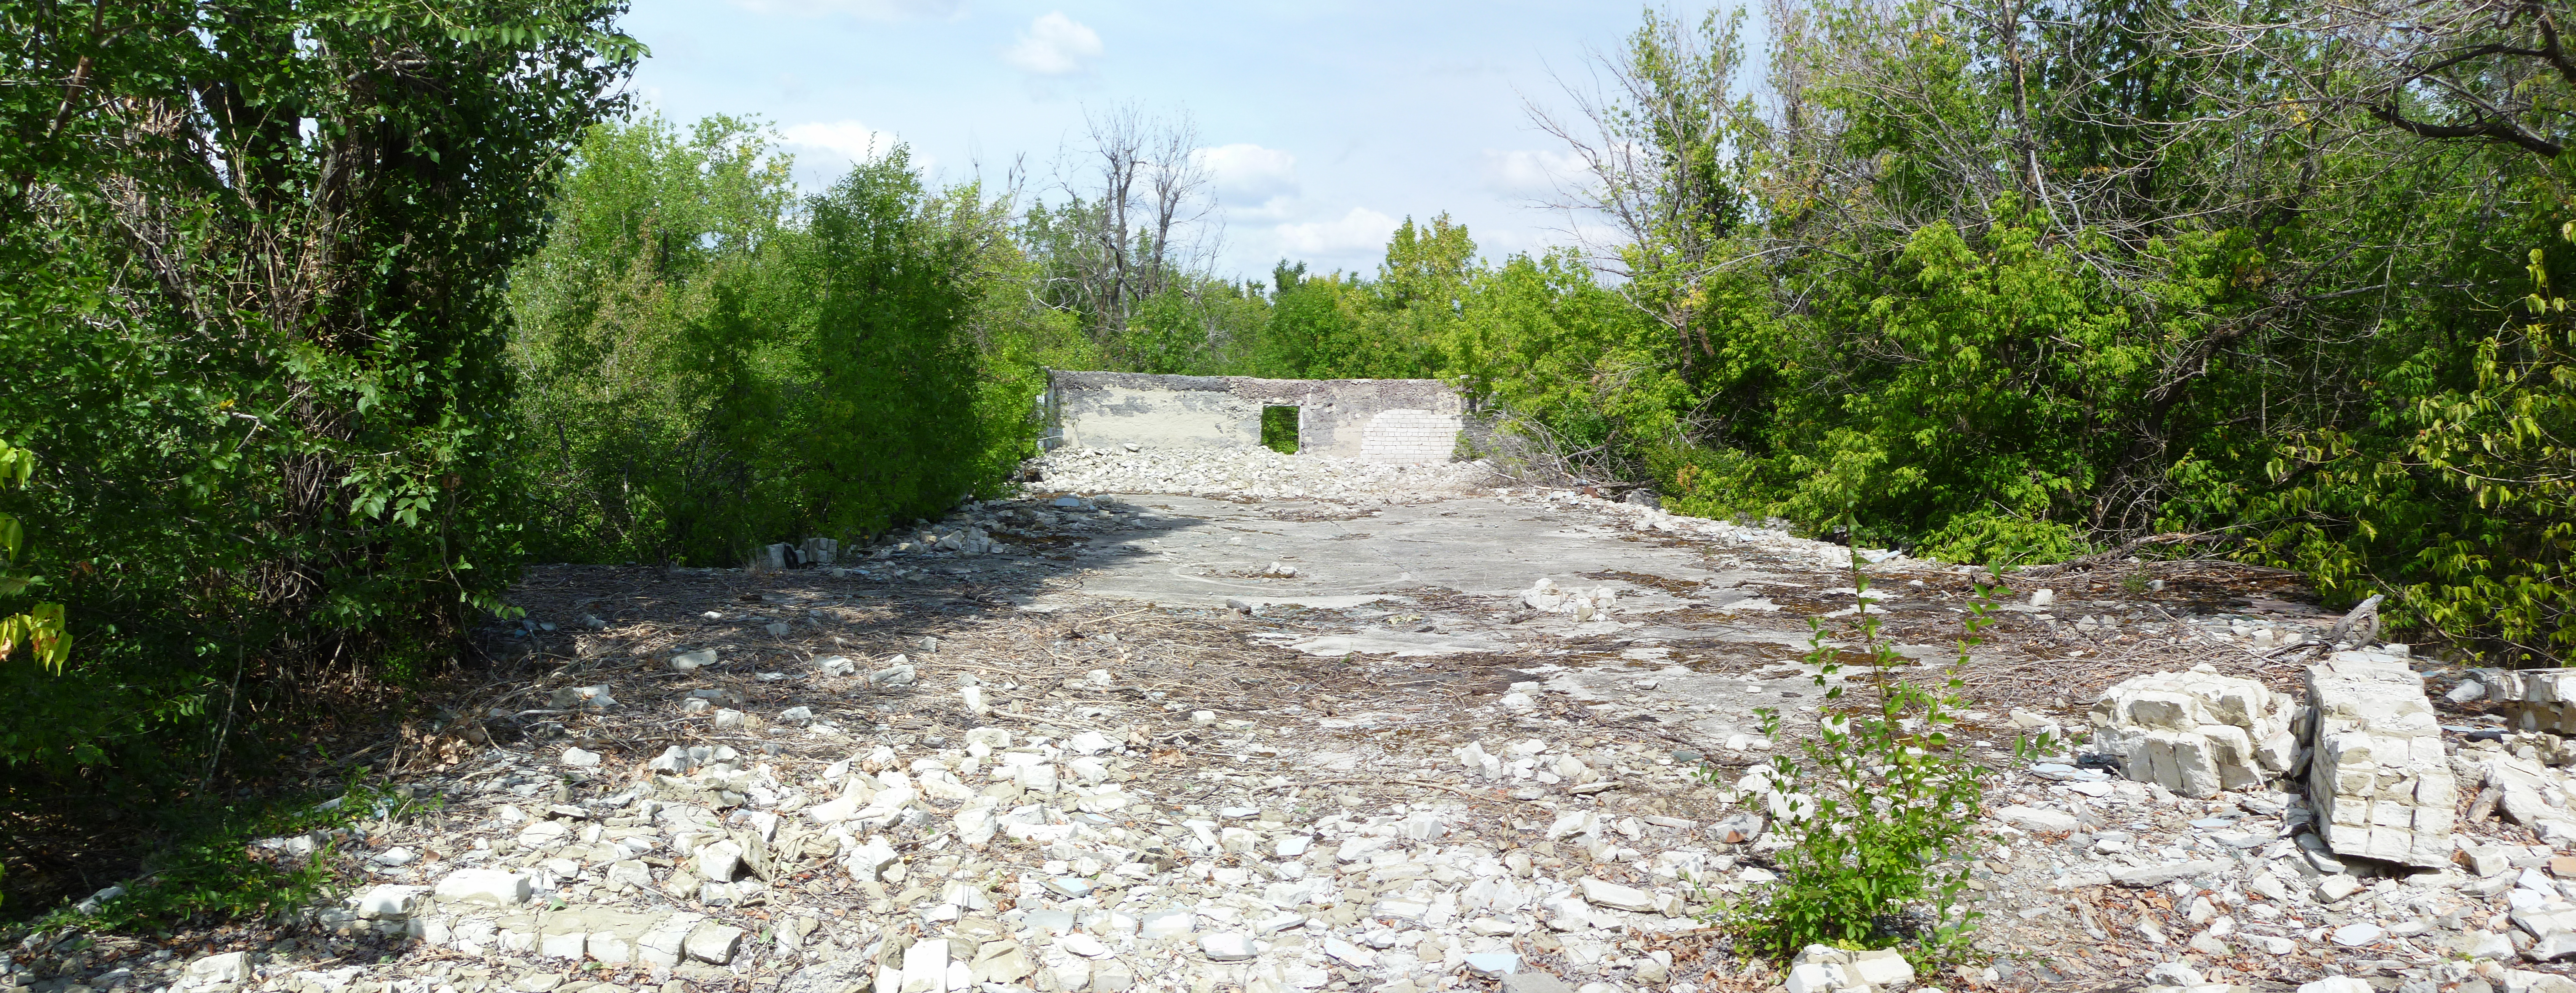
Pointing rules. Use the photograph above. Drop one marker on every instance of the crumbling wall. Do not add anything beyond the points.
(1379, 420)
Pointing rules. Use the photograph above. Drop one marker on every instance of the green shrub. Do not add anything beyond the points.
(38, 632)
(1279, 429)
(715, 363)
(250, 308)
(1878, 809)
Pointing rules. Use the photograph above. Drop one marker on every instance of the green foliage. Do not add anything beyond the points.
(1879, 809)
(213, 869)
(39, 630)
(714, 363)
(251, 266)
(1279, 429)
(2459, 495)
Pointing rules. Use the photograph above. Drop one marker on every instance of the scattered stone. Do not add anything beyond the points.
(1226, 946)
(2357, 934)
(229, 967)
(492, 886)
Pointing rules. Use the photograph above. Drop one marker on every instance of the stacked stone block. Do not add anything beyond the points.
(2195, 733)
(2378, 779)
(1409, 436)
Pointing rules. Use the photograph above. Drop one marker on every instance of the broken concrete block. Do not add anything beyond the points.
(2195, 733)
(492, 886)
(898, 672)
(713, 943)
(229, 967)
(390, 903)
(2379, 781)
(666, 943)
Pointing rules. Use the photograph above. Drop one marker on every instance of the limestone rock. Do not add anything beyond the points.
(2195, 733)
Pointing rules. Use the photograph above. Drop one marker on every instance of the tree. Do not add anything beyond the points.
(252, 255)
(1128, 231)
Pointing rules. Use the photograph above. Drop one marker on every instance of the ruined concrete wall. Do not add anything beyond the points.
(1380, 420)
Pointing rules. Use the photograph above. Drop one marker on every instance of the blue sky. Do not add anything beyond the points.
(1325, 122)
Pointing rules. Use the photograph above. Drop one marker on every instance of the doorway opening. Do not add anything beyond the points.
(1279, 429)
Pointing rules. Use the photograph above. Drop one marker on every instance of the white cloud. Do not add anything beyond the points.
(873, 10)
(1361, 230)
(843, 139)
(1248, 172)
(1054, 45)
(1534, 173)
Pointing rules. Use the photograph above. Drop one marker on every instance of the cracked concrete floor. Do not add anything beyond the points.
(1710, 621)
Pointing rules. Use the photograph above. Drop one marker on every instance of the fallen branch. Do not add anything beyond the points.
(2126, 549)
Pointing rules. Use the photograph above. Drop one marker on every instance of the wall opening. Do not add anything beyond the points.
(1279, 429)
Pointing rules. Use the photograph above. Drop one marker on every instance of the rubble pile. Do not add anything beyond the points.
(1254, 472)
(2539, 700)
(1027, 861)
(768, 780)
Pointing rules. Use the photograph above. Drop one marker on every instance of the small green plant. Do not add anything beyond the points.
(214, 868)
(1878, 809)
(2134, 583)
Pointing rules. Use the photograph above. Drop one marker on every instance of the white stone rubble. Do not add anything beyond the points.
(2196, 733)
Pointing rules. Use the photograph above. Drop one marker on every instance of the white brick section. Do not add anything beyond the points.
(2377, 776)
(1408, 436)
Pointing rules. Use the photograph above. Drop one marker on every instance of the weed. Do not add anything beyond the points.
(215, 868)
(1878, 810)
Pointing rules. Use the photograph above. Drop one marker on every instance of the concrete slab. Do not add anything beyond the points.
(1213, 550)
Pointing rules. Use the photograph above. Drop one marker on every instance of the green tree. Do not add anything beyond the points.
(252, 257)
(700, 343)
(39, 631)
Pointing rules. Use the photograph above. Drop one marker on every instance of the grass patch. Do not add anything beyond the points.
(258, 859)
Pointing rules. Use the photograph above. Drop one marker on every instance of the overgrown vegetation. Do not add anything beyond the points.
(268, 857)
(251, 265)
(712, 362)
(1878, 809)
(36, 636)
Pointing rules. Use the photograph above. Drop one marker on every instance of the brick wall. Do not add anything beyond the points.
(1408, 436)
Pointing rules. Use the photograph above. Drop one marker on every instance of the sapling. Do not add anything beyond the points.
(1877, 810)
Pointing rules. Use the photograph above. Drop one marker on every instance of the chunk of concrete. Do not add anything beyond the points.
(492, 886)
(2195, 732)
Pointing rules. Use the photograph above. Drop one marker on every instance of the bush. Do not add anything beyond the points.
(264, 387)
(715, 364)
(1878, 810)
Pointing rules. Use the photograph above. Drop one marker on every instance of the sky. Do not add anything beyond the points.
(1324, 123)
